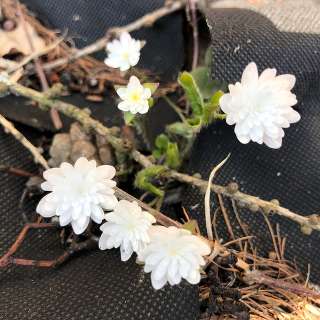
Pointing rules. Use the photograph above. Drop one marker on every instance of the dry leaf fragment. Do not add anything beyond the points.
(17, 39)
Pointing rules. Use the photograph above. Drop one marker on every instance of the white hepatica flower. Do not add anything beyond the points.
(261, 106)
(123, 53)
(78, 193)
(126, 227)
(135, 97)
(173, 254)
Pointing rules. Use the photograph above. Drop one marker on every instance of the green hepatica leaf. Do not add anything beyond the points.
(162, 141)
(173, 156)
(206, 85)
(144, 177)
(211, 108)
(180, 129)
(153, 86)
(157, 153)
(128, 117)
(151, 102)
(192, 91)
(191, 225)
(215, 99)
(195, 122)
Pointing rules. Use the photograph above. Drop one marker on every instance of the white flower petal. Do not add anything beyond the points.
(127, 226)
(65, 219)
(122, 92)
(97, 214)
(134, 97)
(126, 253)
(109, 202)
(103, 242)
(260, 107)
(45, 208)
(158, 283)
(134, 82)
(194, 277)
(173, 254)
(250, 74)
(46, 186)
(79, 193)
(268, 74)
(124, 106)
(123, 53)
(79, 226)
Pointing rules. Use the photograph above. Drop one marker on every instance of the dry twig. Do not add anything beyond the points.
(9, 127)
(9, 259)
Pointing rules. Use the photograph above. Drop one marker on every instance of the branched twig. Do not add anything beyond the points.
(145, 21)
(9, 259)
(9, 127)
(309, 223)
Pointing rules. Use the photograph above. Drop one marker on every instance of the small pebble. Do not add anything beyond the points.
(82, 148)
(60, 149)
(106, 156)
(77, 133)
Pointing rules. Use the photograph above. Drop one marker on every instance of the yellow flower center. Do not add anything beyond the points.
(135, 96)
(125, 55)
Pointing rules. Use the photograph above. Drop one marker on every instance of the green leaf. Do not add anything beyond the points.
(192, 226)
(162, 141)
(144, 177)
(173, 156)
(206, 85)
(215, 99)
(210, 112)
(128, 117)
(153, 86)
(151, 102)
(195, 122)
(180, 129)
(192, 91)
(157, 153)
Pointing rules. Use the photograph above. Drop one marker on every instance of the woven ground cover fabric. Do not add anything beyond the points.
(290, 174)
(92, 286)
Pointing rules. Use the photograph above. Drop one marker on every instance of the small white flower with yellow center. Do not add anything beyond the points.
(126, 227)
(78, 193)
(261, 106)
(123, 53)
(135, 97)
(173, 254)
